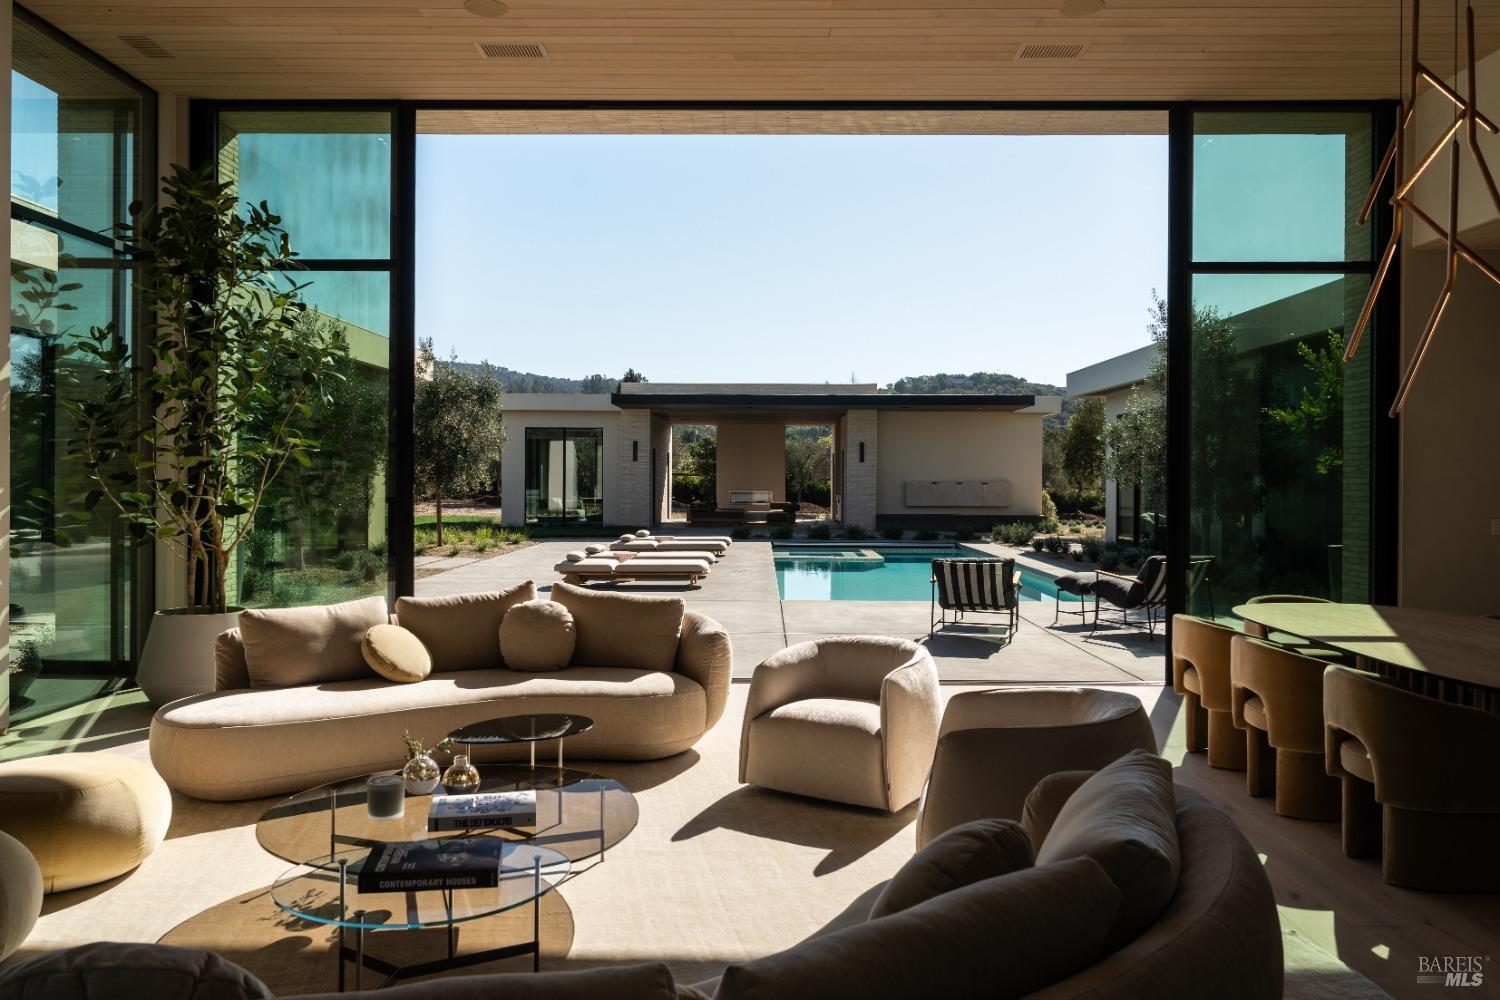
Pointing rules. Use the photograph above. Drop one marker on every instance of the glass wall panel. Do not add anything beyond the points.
(1280, 428)
(564, 483)
(78, 133)
(1280, 186)
(321, 535)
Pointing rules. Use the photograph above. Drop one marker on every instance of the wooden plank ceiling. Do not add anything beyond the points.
(766, 50)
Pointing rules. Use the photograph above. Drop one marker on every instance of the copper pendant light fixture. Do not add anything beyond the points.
(1467, 120)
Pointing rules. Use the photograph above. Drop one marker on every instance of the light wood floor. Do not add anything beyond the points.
(1342, 903)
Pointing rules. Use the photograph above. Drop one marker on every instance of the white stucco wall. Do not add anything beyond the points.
(944, 445)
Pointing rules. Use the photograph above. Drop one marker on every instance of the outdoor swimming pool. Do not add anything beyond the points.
(876, 572)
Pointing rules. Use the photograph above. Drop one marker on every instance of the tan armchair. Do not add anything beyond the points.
(1200, 673)
(1277, 699)
(848, 718)
(1421, 782)
(995, 745)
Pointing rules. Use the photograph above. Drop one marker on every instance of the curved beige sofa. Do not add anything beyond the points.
(241, 742)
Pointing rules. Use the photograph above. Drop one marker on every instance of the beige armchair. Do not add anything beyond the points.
(1421, 782)
(995, 745)
(848, 718)
(1277, 699)
(1200, 673)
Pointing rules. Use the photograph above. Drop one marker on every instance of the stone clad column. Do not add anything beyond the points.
(635, 469)
(860, 428)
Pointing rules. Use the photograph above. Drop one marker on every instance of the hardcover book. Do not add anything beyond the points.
(456, 863)
(486, 810)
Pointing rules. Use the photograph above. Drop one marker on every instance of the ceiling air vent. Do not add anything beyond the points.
(511, 50)
(146, 46)
(1051, 50)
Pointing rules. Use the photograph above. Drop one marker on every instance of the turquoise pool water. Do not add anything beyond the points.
(876, 572)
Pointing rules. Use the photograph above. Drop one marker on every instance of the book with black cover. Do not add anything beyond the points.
(486, 810)
(455, 863)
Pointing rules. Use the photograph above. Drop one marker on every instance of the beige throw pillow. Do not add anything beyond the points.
(622, 630)
(289, 647)
(537, 635)
(1125, 818)
(396, 654)
(969, 853)
(462, 631)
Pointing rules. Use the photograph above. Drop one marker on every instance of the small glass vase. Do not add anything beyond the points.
(461, 778)
(421, 774)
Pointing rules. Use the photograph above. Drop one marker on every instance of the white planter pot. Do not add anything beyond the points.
(178, 659)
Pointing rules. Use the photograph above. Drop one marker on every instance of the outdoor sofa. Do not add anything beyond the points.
(296, 705)
(1114, 884)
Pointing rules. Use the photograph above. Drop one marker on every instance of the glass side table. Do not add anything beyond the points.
(326, 891)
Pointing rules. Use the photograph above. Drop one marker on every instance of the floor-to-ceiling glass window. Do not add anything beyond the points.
(564, 475)
(321, 536)
(81, 152)
(1281, 428)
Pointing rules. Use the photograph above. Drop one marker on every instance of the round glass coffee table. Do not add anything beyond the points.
(529, 729)
(326, 831)
(326, 891)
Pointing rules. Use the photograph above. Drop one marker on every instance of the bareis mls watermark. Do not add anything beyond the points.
(1451, 970)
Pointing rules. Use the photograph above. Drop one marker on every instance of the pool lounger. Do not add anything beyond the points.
(600, 568)
(684, 544)
(605, 552)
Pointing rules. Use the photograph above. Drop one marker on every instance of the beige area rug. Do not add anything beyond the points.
(714, 873)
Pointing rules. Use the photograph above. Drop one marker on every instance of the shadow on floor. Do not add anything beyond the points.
(847, 833)
(967, 642)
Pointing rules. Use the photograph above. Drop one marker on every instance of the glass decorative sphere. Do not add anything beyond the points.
(421, 774)
(461, 778)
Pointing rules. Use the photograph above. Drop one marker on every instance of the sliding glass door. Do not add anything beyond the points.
(81, 144)
(1281, 429)
(563, 475)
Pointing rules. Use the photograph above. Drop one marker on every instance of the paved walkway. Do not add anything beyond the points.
(741, 594)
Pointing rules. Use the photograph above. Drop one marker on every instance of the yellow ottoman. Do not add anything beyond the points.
(20, 894)
(85, 817)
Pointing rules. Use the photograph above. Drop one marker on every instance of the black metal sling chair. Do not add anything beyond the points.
(1146, 592)
(964, 586)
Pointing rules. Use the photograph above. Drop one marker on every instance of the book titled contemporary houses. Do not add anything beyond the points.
(897, 460)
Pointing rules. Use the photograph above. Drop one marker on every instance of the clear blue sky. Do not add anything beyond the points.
(789, 258)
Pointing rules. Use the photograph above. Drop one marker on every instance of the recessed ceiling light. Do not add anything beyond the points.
(1081, 8)
(494, 8)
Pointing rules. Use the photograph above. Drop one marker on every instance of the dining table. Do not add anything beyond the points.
(1442, 654)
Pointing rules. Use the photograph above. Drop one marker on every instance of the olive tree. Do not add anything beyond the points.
(457, 431)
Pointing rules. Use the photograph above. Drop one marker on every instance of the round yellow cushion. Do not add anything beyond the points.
(537, 635)
(20, 894)
(396, 654)
(85, 817)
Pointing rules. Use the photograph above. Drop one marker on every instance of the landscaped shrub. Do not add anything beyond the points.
(782, 531)
(1131, 557)
(894, 534)
(1076, 551)
(739, 532)
(927, 535)
(1049, 513)
(1109, 561)
(964, 535)
(1039, 543)
(1017, 533)
(855, 532)
(1056, 545)
(821, 531)
(1092, 550)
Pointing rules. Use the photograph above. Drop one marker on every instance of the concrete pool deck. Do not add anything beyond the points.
(741, 595)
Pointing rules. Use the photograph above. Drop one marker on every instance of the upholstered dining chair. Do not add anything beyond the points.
(847, 718)
(995, 745)
(1200, 673)
(1421, 782)
(1276, 697)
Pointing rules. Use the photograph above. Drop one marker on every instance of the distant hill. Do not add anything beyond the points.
(987, 382)
(514, 381)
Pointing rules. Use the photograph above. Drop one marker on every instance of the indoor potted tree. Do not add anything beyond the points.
(184, 437)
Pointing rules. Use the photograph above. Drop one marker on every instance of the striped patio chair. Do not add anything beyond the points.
(964, 586)
(1146, 592)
